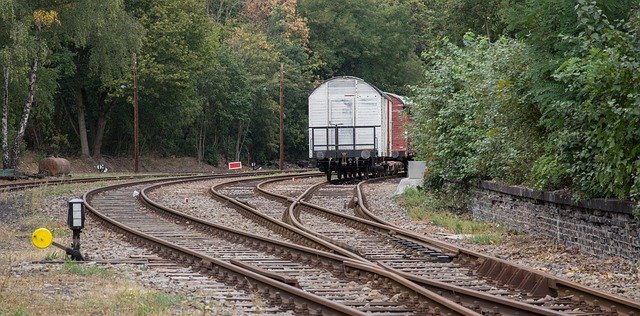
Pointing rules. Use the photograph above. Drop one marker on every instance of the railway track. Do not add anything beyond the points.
(491, 304)
(290, 277)
(24, 185)
(489, 285)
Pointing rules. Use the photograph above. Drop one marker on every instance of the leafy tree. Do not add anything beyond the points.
(77, 46)
(98, 41)
(242, 89)
(24, 39)
(175, 48)
(364, 38)
(470, 121)
(594, 138)
(541, 23)
(101, 38)
(222, 10)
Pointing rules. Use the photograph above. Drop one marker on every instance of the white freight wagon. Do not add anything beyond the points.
(350, 127)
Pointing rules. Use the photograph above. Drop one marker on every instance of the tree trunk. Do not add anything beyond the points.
(244, 137)
(15, 157)
(102, 125)
(82, 126)
(5, 123)
(486, 26)
(201, 142)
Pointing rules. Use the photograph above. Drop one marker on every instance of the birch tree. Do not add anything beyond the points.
(23, 30)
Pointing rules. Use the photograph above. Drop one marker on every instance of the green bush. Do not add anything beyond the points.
(487, 111)
(549, 172)
(594, 136)
(470, 119)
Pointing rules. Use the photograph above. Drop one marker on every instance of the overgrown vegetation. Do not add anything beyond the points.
(557, 108)
(447, 209)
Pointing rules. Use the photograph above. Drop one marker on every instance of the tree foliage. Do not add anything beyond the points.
(364, 38)
(557, 107)
(470, 119)
(546, 93)
(596, 139)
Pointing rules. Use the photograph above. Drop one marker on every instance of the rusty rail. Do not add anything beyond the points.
(536, 282)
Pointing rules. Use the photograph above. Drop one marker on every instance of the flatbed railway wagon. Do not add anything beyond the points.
(356, 129)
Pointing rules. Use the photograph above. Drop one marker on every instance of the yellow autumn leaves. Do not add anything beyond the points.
(46, 18)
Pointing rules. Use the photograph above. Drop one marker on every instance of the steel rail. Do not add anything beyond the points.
(23, 185)
(478, 300)
(293, 216)
(515, 275)
(351, 260)
(281, 227)
(427, 301)
(275, 289)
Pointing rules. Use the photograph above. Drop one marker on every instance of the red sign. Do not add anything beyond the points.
(235, 165)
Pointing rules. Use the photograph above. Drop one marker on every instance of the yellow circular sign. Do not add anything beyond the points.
(42, 238)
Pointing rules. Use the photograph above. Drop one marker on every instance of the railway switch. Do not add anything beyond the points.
(43, 238)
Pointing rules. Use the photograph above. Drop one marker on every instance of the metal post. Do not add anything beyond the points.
(136, 150)
(76, 240)
(354, 138)
(281, 116)
(336, 140)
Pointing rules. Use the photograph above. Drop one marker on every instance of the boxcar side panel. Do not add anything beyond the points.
(370, 113)
(399, 121)
(318, 117)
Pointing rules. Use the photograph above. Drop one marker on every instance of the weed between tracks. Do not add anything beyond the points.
(73, 268)
(448, 210)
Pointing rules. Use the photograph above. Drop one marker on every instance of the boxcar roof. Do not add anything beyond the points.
(402, 99)
(382, 93)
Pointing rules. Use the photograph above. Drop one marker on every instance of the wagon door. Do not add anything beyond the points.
(341, 114)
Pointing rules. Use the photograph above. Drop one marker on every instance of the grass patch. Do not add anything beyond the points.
(136, 302)
(60, 231)
(153, 303)
(74, 268)
(448, 210)
(486, 239)
(16, 312)
(53, 256)
(80, 289)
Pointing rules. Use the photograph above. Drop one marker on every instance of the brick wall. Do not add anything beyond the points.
(599, 227)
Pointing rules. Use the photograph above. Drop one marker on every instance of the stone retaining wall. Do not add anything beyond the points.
(599, 227)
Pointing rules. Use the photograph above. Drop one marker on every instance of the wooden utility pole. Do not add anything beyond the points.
(281, 116)
(136, 149)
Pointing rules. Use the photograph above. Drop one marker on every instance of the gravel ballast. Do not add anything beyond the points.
(612, 275)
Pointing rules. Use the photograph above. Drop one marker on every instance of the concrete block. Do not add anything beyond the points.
(407, 183)
(416, 169)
